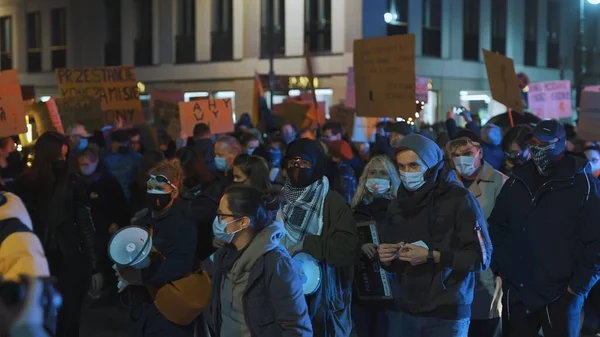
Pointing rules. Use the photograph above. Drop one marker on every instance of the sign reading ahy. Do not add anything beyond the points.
(216, 113)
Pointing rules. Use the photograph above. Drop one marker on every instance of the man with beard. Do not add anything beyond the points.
(546, 237)
(319, 222)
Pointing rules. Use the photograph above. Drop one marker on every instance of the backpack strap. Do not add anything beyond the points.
(10, 226)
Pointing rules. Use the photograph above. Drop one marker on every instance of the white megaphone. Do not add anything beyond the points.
(130, 247)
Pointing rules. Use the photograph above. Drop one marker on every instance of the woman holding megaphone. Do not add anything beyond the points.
(175, 291)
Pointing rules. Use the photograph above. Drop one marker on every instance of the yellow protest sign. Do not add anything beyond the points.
(115, 87)
(12, 109)
(384, 72)
(216, 113)
(503, 80)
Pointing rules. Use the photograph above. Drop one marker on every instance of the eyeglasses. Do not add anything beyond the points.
(225, 215)
(161, 179)
(453, 145)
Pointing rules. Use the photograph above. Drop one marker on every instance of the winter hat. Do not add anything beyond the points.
(425, 148)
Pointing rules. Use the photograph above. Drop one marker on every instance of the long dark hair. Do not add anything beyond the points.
(256, 169)
(249, 201)
(194, 166)
(47, 149)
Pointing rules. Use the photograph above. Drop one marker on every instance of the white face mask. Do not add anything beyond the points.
(465, 165)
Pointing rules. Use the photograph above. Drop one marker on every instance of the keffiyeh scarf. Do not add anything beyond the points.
(302, 212)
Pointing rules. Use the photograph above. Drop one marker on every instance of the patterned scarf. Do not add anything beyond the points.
(302, 212)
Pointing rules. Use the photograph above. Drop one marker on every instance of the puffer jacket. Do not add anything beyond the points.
(545, 233)
(447, 219)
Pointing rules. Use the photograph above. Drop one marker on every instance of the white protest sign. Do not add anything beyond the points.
(550, 99)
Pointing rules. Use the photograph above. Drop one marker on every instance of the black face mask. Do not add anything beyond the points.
(59, 167)
(157, 202)
(300, 177)
(191, 182)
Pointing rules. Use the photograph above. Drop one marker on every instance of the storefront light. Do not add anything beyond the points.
(196, 94)
(45, 98)
(484, 98)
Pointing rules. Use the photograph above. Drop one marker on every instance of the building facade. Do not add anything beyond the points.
(215, 47)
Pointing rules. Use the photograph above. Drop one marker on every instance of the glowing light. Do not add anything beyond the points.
(141, 87)
(417, 115)
(593, 2)
(45, 98)
(387, 17)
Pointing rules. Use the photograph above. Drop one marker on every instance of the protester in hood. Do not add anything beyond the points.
(376, 188)
(593, 157)
(476, 175)
(78, 138)
(434, 241)
(253, 256)
(491, 137)
(204, 145)
(288, 131)
(341, 173)
(319, 222)
(546, 248)
(61, 218)
(249, 143)
(123, 163)
(138, 186)
(515, 147)
(202, 191)
(226, 149)
(174, 239)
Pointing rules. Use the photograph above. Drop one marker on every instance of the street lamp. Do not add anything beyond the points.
(594, 2)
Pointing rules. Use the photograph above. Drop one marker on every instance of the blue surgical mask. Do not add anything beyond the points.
(219, 228)
(89, 170)
(377, 186)
(412, 181)
(221, 164)
(465, 165)
(250, 151)
(82, 144)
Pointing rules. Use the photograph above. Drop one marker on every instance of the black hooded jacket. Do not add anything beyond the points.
(448, 219)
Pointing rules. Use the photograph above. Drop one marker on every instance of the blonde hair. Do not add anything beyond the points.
(363, 194)
(171, 169)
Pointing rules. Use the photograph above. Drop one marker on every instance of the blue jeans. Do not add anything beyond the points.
(416, 326)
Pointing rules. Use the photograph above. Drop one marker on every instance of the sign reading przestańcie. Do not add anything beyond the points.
(216, 113)
(12, 109)
(503, 80)
(370, 279)
(384, 73)
(115, 87)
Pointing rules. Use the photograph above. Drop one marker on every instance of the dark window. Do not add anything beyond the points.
(317, 25)
(531, 22)
(278, 29)
(112, 47)
(34, 42)
(186, 32)
(397, 17)
(471, 30)
(5, 43)
(499, 10)
(222, 30)
(553, 26)
(432, 28)
(58, 18)
(143, 41)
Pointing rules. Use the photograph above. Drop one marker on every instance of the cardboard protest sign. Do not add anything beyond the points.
(588, 127)
(12, 110)
(503, 80)
(293, 112)
(166, 95)
(343, 115)
(54, 116)
(550, 99)
(595, 88)
(384, 70)
(115, 87)
(216, 113)
(166, 115)
(73, 111)
(350, 100)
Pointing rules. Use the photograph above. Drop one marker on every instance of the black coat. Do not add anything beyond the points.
(545, 234)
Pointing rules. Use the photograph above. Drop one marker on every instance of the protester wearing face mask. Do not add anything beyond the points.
(435, 240)
(174, 240)
(319, 222)
(124, 163)
(226, 149)
(515, 147)
(376, 188)
(546, 243)
(61, 218)
(252, 255)
(108, 207)
(593, 157)
(485, 183)
(78, 138)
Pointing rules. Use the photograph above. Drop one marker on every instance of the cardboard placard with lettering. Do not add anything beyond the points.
(384, 72)
(88, 112)
(166, 114)
(345, 116)
(12, 109)
(588, 127)
(115, 87)
(292, 112)
(503, 80)
(216, 113)
(550, 99)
